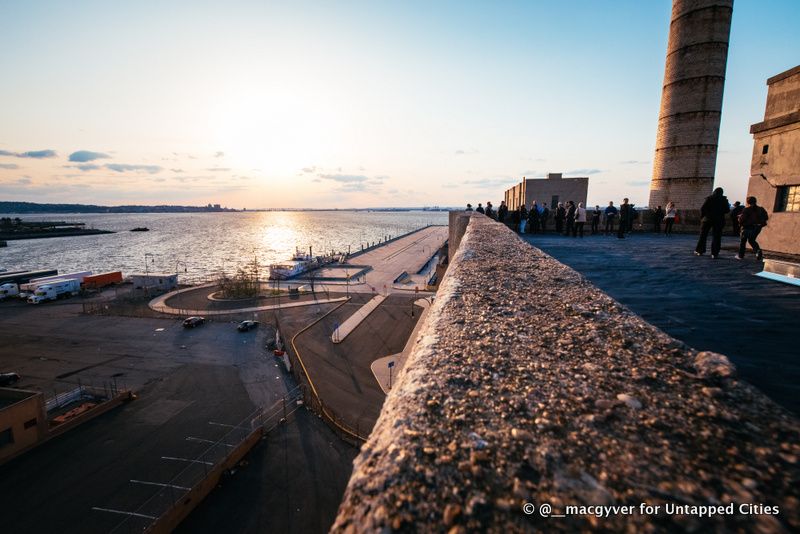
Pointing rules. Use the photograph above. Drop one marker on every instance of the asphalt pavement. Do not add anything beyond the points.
(709, 304)
(192, 384)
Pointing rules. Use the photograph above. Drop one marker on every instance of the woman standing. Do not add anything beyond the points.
(580, 220)
(669, 218)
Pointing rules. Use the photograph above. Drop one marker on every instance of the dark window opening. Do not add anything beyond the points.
(30, 423)
(765, 149)
(6, 437)
(788, 198)
(554, 202)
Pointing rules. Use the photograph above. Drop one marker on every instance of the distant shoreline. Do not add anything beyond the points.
(32, 208)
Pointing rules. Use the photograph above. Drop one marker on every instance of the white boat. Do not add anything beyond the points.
(300, 263)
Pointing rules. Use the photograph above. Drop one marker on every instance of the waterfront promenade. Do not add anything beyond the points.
(709, 304)
(407, 254)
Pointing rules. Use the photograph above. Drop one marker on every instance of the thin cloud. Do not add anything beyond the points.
(219, 154)
(633, 162)
(466, 152)
(218, 169)
(124, 167)
(585, 171)
(36, 154)
(176, 170)
(344, 178)
(489, 182)
(9, 166)
(82, 156)
(87, 167)
(352, 187)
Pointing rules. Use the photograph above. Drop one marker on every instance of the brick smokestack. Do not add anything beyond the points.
(691, 103)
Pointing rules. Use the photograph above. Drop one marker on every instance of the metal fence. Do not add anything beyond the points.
(172, 492)
(353, 431)
(107, 391)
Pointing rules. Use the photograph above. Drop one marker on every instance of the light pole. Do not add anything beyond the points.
(147, 270)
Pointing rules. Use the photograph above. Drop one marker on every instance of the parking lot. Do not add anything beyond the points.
(193, 386)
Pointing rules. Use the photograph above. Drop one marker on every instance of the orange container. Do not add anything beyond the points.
(102, 280)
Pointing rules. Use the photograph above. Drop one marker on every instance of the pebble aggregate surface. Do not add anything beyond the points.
(501, 405)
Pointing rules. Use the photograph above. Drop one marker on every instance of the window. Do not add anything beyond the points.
(788, 198)
(554, 202)
(765, 149)
(6, 437)
(30, 423)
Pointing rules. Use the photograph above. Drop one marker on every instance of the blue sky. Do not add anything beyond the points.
(322, 104)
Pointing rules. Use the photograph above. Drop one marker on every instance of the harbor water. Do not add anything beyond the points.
(200, 246)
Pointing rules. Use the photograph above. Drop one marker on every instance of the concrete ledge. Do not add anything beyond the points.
(528, 384)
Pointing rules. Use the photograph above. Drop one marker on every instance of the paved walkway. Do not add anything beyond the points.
(407, 254)
(386, 375)
(159, 304)
(352, 322)
(709, 304)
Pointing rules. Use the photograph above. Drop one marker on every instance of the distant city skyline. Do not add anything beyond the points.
(354, 104)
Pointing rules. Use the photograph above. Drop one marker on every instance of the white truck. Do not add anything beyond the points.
(55, 290)
(8, 291)
(26, 290)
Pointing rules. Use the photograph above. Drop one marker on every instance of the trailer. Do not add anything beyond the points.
(8, 291)
(31, 286)
(99, 280)
(22, 277)
(55, 289)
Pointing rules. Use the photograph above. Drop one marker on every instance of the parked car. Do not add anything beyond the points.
(244, 326)
(191, 322)
(6, 379)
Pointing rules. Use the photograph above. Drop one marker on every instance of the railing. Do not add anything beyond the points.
(175, 491)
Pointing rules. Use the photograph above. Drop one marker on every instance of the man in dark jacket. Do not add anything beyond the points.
(712, 218)
(489, 210)
(596, 214)
(545, 215)
(752, 219)
(570, 218)
(561, 215)
(735, 212)
(625, 218)
(502, 211)
(611, 215)
(658, 216)
(533, 219)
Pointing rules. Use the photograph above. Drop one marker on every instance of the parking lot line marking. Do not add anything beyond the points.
(228, 426)
(135, 514)
(160, 484)
(201, 440)
(186, 460)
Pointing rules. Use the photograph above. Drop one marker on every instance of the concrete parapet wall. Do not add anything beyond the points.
(528, 384)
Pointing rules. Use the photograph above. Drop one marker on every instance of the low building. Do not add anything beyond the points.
(154, 281)
(550, 191)
(775, 167)
(23, 421)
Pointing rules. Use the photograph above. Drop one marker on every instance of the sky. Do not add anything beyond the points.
(343, 104)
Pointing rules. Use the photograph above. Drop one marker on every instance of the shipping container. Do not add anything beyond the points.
(97, 281)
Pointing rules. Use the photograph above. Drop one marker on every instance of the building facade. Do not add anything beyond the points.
(775, 167)
(550, 191)
(691, 103)
(23, 422)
